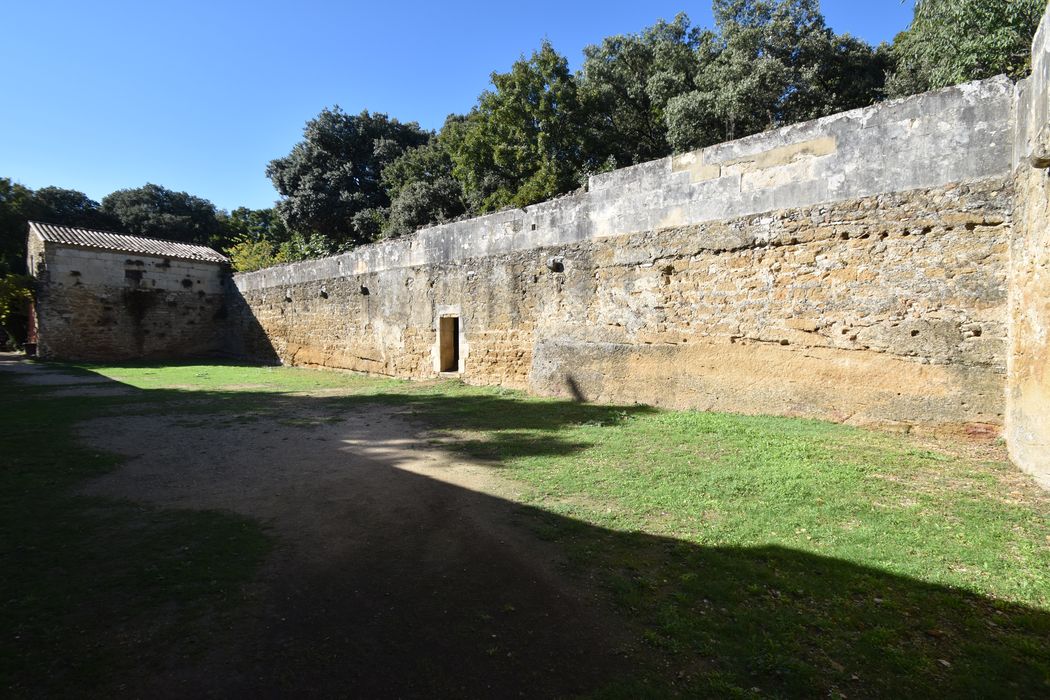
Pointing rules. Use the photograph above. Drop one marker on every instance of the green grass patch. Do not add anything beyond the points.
(749, 555)
(765, 555)
(94, 588)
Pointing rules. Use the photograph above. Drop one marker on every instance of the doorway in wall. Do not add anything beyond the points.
(448, 331)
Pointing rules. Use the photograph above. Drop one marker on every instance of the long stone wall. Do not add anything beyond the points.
(873, 267)
(1028, 383)
(885, 310)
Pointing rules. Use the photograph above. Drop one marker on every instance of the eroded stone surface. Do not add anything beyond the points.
(1028, 381)
(886, 310)
(107, 305)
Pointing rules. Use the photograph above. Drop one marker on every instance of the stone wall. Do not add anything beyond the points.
(958, 134)
(885, 310)
(856, 268)
(96, 304)
(1028, 384)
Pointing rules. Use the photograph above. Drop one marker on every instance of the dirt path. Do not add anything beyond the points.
(400, 570)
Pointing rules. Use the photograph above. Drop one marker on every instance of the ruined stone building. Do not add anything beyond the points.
(108, 296)
(887, 266)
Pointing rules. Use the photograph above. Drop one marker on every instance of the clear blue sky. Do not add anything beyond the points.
(199, 96)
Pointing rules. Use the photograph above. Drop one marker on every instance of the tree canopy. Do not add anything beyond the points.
(524, 142)
(953, 41)
(152, 210)
(14, 202)
(772, 62)
(69, 207)
(422, 189)
(253, 224)
(541, 130)
(331, 181)
(626, 82)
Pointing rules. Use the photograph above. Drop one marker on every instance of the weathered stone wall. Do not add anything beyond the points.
(958, 134)
(887, 310)
(884, 310)
(852, 268)
(1028, 384)
(102, 305)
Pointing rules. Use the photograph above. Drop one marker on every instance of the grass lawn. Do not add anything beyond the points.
(751, 555)
(94, 587)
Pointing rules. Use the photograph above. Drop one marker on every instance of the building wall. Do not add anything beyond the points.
(103, 305)
(1028, 383)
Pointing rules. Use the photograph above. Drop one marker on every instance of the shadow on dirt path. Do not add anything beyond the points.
(399, 569)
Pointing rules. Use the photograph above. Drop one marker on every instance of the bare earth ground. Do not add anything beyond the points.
(399, 570)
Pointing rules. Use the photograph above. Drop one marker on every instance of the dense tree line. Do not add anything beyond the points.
(953, 41)
(541, 129)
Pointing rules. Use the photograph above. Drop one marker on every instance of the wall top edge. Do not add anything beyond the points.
(955, 134)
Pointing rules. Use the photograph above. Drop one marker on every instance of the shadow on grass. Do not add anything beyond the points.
(397, 584)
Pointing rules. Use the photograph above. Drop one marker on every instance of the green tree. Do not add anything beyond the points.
(330, 182)
(524, 141)
(157, 212)
(244, 223)
(953, 41)
(57, 205)
(15, 200)
(253, 238)
(247, 254)
(422, 190)
(626, 82)
(15, 297)
(422, 203)
(774, 62)
(303, 247)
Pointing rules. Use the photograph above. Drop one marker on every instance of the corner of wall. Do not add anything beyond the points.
(1028, 358)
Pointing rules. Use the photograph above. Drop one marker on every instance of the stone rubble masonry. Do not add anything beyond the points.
(886, 266)
(1028, 357)
(887, 310)
(105, 305)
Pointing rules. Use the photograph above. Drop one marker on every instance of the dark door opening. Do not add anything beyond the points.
(448, 330)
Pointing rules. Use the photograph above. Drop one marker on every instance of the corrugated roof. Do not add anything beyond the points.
(109, 240)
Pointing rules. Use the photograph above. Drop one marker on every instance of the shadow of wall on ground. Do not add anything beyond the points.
(387, 582)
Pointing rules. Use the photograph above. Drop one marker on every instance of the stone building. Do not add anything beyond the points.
(853, 268)
(109, 296)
